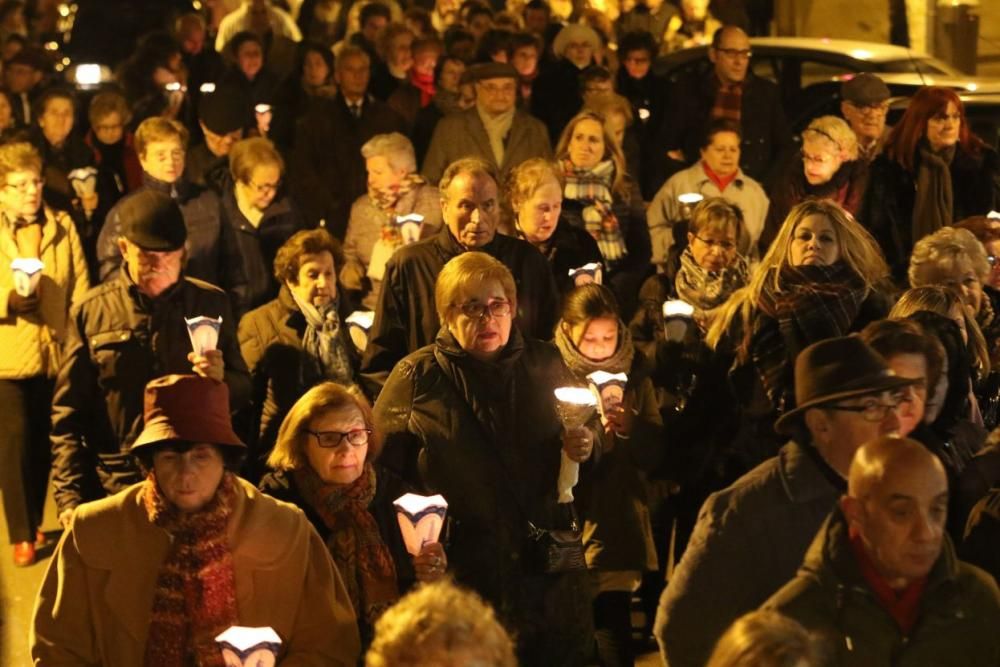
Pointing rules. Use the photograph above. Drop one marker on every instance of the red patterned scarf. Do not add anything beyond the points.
(728, 102)
(362, 558)
(196, 589)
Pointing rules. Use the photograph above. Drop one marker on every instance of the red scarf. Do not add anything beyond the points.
(904, 605)
(195, 596)
(728, 101)
(425, 83)
(362, 558)
(721, 182)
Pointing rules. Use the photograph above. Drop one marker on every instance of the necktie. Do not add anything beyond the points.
(356, 109)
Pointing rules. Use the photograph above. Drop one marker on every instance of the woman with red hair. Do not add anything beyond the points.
(934, 172)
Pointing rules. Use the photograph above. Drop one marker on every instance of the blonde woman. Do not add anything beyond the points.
(827, 167)
(766, 639)
(32, 329)
(602, 198)
(820, 278)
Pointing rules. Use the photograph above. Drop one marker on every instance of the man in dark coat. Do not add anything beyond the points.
(729, 90)
(223, 115)
(406, 319)
(327, 172)
(881, 580)
(751, 537)
(121, 335)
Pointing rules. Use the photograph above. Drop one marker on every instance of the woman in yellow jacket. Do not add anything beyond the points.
(42, 271)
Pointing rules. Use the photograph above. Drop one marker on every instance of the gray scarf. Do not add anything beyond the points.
(497, 128)
(705, 290)
(932, 207)
(325, 355)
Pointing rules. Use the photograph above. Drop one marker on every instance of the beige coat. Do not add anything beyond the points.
(30, 343)
(95, 602)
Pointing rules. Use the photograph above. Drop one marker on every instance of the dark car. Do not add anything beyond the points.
(809, 71)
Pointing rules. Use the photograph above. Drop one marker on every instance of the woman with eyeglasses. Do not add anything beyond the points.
(473, 417)
(822, 277)
(297, 339)
(261, 213)
(987, 230)
(933, 173)
(32, 329)
(952, 257)
(826, 167)
(324, 463)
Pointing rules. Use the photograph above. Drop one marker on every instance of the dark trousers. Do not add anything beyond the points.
(613, 628)
(25, 453)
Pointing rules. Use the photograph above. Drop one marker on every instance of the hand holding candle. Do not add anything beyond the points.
(575, 406)
(249, 647)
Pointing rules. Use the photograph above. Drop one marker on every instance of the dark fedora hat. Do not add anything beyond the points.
(834, 370)
(189, 408)
(153, 221)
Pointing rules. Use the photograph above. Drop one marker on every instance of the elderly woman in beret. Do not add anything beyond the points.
(324, 463)
(473, 417)
(206, 551)
(374, 232)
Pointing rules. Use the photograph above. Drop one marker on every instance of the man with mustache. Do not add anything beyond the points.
(123, 334)
(406, 317)
(882, 580)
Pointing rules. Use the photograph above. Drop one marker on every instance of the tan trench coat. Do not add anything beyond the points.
(95, 602)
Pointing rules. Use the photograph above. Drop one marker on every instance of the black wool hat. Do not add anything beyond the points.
(225, 110)
(152, 221)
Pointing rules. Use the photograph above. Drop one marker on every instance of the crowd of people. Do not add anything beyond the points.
(299, 259)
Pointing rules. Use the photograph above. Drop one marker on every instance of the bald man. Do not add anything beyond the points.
(881, 579)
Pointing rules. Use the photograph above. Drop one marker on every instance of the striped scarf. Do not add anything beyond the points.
(728, 102)
(814, 303)
(592, 188)
(362, 558)
(195, 595)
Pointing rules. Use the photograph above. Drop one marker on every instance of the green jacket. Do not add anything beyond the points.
(957, 625)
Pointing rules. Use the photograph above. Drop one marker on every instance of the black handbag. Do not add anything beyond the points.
(557, 551)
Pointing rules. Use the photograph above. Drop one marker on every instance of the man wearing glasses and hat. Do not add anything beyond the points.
(121, 335)
(864, 105)
(751, 537)
(154, 573)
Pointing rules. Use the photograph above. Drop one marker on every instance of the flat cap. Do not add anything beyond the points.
(864, 89)
(484, 71)
(152, 221)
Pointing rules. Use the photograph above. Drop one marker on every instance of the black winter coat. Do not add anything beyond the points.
(568, 248)
(117, 341)
(887, 210)
(326, 171)
(762, 119)
(406, 317)
(258, 246)
(487, 437)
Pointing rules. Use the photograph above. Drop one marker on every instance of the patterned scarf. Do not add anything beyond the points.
(704, 289)
(325, 356)
(581, 366)
(592, 187)
(195, 596)
(386, 199)
(728, 102)
(362, 558)
(813, 304)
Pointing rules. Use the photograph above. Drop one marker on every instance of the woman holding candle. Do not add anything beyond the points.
(395, 190)
(324, 464)
(473, 417)
(32, 328)
(613, 501)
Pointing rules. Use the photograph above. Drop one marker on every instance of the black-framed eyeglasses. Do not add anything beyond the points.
(727, 246)
(873, 411)
(331, 439)
(475, 310)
